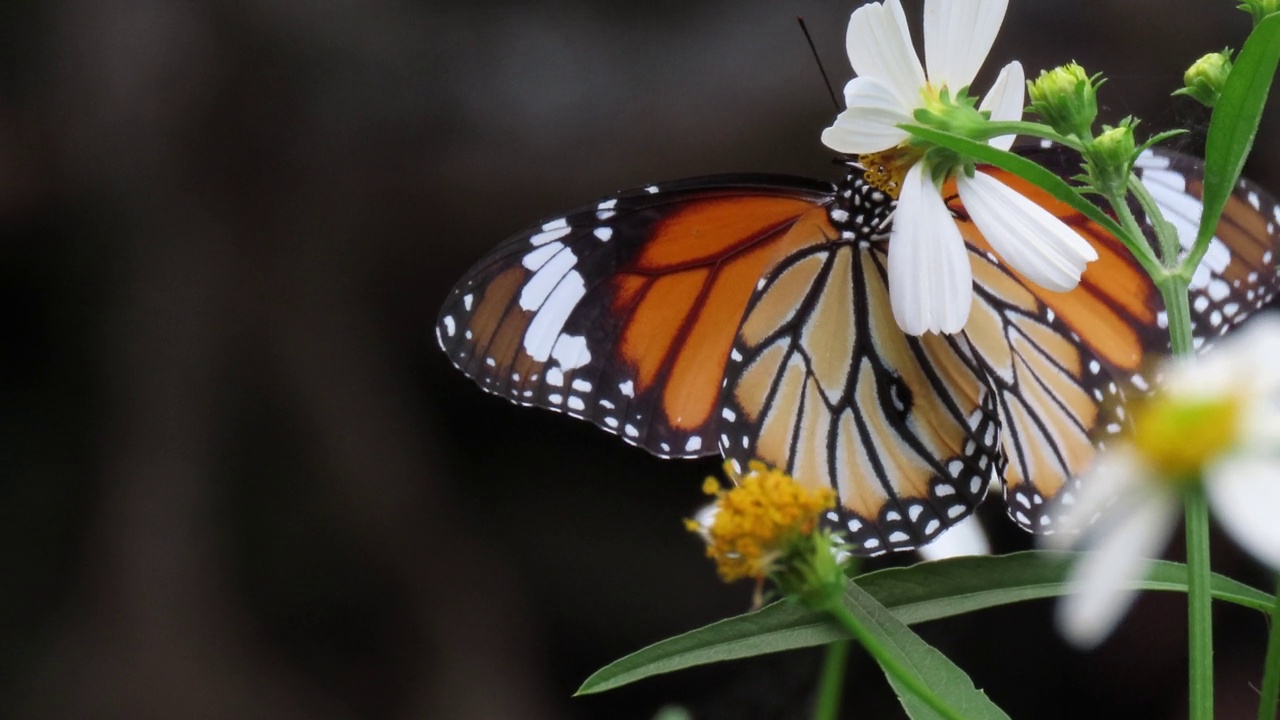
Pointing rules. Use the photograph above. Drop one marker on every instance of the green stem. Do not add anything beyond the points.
(1173, 289)
(888, 662)
(1136, 240)
(1271, 673)
(1167, 236)
(832, 681)
(1199, 615)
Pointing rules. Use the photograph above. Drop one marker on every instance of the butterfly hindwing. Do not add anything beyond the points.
(622, 312)
(823, 384)
(1057, 400)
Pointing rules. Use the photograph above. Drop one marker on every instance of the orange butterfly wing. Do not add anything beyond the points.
(622, 312)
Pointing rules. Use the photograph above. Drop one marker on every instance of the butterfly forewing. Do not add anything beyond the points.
(1238, 273)
(622, 312)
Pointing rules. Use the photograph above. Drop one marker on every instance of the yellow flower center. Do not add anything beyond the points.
(886, 170)
(1179, 436)
(757, 521)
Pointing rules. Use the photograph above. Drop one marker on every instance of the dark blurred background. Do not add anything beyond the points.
(237, 477)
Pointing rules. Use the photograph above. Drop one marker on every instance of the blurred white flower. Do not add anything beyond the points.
(960, 540)
(930, 281)
(1215, 420)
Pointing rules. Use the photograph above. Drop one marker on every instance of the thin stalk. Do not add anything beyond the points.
(889, 663)
(1173, 289)
(1271, 672)
(1199, 616)
(1170, 244)
(1136, 241)
(832, 681)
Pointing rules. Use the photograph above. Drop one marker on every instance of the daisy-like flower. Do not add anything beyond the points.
(930, 280)
(1217, 421)
(767, 527)
(964, 539)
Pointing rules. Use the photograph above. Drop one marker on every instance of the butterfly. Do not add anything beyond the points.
(749, 315)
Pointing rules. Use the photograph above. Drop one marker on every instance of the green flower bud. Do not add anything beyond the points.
(1259, 9)
(1109, 158)
(1206, 77)
(1066, 99)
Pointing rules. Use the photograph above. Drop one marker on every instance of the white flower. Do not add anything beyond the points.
(1217, 417)
(930, 280)
(963, 539)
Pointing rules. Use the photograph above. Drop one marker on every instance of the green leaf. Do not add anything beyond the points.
(1234, 124)
(922, 592)
(1029, 170)
(936, 673)
(936, 590)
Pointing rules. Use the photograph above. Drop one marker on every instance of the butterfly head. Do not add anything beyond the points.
(862, 212)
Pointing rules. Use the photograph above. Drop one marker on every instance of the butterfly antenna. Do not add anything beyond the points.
(813, 49)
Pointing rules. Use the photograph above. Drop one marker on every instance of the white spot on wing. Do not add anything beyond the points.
(571, 352)
(694, 444)
(551, 232)
(449, 327)
(555, 377)
(537, 258)
(604, 234)
(544, 329)
(627, 388)
(545, 280)
(1149, 160)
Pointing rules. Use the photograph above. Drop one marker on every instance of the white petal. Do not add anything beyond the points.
(964, 538)
(706, 519)
(871, 122)
(1243, 365)
(1005, 101)
(1102, 580)
(1028, 237)
(1245, 494)
(930, 280)
(1115, 475)
(879, 46)
(958, 34)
